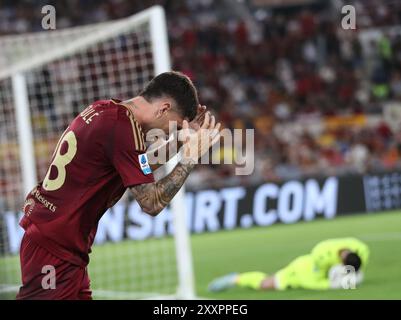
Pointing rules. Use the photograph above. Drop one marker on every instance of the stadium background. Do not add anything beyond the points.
(325, 104)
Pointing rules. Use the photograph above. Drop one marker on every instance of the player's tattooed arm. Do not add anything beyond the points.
(154, 197)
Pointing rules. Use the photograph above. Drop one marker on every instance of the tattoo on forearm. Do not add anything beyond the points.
(153, 197)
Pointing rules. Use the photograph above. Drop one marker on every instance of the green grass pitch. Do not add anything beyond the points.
(270, 248)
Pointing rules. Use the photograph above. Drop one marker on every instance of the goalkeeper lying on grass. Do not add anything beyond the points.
(326, 267)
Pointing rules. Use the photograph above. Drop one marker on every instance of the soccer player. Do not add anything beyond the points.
(100, 155)
(312, 271)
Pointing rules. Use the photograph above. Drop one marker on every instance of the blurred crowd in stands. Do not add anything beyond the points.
(314, 93)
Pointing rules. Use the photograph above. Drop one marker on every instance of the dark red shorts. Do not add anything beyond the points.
(46, 277)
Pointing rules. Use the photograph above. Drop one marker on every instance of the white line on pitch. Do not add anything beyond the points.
(387, 236)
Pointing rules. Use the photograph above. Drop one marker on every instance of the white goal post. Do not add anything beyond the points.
(46, 78)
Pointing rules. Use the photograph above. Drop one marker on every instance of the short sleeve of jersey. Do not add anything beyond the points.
(129, 152)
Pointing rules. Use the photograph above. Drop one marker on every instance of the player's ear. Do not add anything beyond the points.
(164, 108)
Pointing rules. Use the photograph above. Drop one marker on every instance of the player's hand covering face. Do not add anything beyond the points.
(197, 143)
(196, 123)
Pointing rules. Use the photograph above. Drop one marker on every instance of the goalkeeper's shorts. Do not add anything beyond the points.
(46, 277)
(299, 274)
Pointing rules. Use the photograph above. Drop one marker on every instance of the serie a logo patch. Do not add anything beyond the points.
(143, 161)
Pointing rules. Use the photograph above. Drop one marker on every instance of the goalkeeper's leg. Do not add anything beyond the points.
(252, 280)
(291, 276)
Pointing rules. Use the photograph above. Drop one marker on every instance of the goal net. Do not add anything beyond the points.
(46, 79)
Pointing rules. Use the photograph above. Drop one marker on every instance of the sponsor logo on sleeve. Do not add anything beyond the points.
(143, 161)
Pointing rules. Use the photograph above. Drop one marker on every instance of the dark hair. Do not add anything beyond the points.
(352, 259)
(177, 86)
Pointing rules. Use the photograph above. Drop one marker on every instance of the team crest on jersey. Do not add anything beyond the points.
(28, 206)
(143, 161)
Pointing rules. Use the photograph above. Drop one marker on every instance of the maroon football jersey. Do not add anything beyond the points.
(100, 154)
